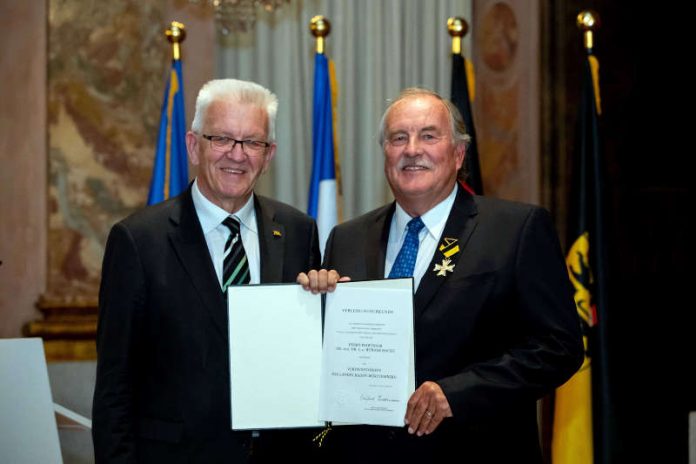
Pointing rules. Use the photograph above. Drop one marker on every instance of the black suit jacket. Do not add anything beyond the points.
(163, 385)
(496, 334)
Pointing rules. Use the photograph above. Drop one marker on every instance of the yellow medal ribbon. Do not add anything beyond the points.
(319, 439)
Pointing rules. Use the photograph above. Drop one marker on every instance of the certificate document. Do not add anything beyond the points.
(282, 376)
(275, 356)
(368, 371)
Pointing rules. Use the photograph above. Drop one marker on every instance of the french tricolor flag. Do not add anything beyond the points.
(322, 187)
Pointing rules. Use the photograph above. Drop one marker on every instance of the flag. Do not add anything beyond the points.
(581, 428)
(323, 185)
(462, 96)
(170, 171)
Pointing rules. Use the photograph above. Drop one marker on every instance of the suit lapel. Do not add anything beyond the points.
(271, 241)
(186, 237)
(376, 243)
(459, 227)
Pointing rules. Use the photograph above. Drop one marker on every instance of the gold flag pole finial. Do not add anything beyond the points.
(457, 28)
(176, 33)
(320, 28)
(588, 21)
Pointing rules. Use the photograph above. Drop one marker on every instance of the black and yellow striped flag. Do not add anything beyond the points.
(582, 409)
(462, 95)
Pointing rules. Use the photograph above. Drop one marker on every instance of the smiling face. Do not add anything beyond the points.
(421, 159)
(227, 177)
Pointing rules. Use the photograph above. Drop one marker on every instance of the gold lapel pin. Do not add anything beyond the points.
(449, 247)
(277, 233)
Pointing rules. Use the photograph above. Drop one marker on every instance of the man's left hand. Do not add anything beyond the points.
(320, 280)
(427, 407)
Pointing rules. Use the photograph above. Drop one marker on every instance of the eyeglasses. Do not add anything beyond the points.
(249, 147)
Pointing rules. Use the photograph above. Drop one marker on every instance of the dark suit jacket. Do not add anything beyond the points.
(496, 334)
(163, 385)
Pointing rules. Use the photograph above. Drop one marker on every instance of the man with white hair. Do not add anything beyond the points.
(163, 382)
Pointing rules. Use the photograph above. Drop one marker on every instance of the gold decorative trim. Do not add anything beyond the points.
(68, 328)
(64, 350)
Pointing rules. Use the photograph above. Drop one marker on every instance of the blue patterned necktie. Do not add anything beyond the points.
(406, 259)
(235, 268)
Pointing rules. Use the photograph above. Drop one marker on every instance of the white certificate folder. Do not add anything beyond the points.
(278, 372)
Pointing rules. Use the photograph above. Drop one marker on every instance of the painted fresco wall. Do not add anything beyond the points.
(507, 106)
(106, 67)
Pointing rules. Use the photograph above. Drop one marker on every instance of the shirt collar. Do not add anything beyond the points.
(211, 215)
(434, 220)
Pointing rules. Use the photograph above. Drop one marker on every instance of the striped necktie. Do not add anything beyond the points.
(406, 259)
(235, 267)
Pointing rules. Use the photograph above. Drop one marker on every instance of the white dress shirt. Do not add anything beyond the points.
(211, 216)
(428, 237)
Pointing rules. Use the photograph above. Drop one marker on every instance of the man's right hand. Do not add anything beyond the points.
(320, 281)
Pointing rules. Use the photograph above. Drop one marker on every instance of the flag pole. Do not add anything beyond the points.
(582, 416)
(457, 28)
(320, 27)
(462, 96)
(170, 167)
(176, 33)
(588, 21)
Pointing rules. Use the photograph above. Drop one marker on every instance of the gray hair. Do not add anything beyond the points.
(237, 91)
(458, 127)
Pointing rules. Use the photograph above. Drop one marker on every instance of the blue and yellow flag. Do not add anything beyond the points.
(170, 171)
(323, 184)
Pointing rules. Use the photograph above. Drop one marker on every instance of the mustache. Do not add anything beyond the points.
(405, 163)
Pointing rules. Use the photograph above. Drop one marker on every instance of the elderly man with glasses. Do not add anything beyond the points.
(163, 382)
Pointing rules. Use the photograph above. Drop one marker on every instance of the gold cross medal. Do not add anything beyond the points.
(449, 247)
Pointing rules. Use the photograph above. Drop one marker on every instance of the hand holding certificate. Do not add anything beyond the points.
(367, 360)
(282, 377)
